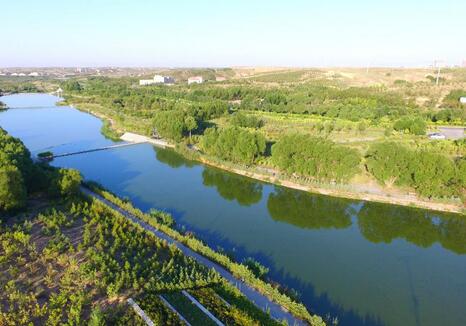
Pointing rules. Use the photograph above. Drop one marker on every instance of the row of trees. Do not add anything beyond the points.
(316, 158)
(431, 174)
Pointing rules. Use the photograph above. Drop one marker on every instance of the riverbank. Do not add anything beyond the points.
(274, 177)
(261, 294)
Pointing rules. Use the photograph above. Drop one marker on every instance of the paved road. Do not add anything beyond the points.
(260, 300)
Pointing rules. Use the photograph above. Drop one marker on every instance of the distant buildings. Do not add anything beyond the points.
(157, 80)
(34, 74)
(195, 80)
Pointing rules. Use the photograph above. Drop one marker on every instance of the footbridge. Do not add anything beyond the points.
(52, 156)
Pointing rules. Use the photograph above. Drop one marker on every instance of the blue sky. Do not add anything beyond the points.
(231, 33)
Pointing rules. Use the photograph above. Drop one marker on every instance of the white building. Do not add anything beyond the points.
(157, 80)
(195, 80)
(34, 74)
(463, 99)
(145, 82)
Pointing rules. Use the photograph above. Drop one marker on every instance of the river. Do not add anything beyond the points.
(365, 263)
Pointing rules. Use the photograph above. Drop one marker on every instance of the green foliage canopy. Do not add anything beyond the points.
(234, 144)
(315, 157)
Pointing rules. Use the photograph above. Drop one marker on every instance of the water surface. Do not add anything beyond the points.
(366, 263)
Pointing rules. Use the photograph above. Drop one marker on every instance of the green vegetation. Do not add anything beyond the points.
(109, 132)
(431, 174)
(452, 100)
(174, 124)
(188, 310)
(315, 158)
(239, 120)
(16, 172)
(72, 260)
(233, 144)
(415, 126)
(239, 270)
(46, 154)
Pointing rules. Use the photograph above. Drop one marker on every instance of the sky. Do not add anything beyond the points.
(221, 33)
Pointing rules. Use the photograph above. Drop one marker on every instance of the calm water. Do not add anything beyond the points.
(368, 264)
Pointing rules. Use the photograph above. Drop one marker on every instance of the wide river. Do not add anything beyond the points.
(365, 263)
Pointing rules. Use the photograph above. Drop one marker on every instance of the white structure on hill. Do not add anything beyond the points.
(157, 80)
(463, 99)
(195, 80)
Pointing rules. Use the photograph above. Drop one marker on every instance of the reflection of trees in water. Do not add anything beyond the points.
(383, 223)
(377, 222)
(172, 158)
(232, 187)
(309, 211)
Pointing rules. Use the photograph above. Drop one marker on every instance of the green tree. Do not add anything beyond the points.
(191, 124)
(12, 188)
(415, 126)
(234, 144)
(390, 163)
(65, 182)
(315, 157)
(434, 175)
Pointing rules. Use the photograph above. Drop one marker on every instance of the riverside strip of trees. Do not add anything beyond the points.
(225, 121)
